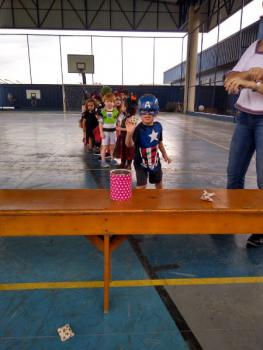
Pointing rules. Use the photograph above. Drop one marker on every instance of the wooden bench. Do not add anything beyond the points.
(93, 214)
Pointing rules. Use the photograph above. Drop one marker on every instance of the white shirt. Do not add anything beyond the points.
(250, 101)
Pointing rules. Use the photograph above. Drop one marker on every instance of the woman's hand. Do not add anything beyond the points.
(255, 73)
(233, 85)
(241, 84)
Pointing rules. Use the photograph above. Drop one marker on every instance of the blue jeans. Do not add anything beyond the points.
(247, 138)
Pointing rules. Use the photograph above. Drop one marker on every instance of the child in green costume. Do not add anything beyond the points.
(107, 124)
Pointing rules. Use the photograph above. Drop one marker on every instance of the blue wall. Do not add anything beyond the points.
(74, 93)
(51, 96)
(213, 97)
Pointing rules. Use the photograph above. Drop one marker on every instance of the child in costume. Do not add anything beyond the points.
(147, 138)
(96, 97)
(118, 102)
(81, 121)
(126, 154)
(107, 124)
(90, 122)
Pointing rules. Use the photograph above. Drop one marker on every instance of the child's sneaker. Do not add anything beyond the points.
(103, 164)
(96, 151)
(113, 162)
(255, 240)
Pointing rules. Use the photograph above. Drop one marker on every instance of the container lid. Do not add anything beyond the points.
(120, 172)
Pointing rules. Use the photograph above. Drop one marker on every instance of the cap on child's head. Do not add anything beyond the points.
(148, 104)
(105, 90)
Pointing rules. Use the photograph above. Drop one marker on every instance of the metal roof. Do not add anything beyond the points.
(121, 15)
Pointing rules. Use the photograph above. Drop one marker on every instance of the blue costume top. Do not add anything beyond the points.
(146, 139)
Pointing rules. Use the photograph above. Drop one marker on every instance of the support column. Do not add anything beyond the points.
(62, 77)
(191, 60)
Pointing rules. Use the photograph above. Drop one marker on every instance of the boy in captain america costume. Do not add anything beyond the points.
(147, 139)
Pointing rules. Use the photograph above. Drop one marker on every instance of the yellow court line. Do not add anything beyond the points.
(50, 285)
(186, 281)
(130, 283)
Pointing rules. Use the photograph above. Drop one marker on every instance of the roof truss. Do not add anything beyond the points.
(124, 15)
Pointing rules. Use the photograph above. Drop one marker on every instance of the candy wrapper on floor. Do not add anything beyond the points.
(65, 332)
(206, 196)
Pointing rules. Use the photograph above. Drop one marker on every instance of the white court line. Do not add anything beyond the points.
(205, 139)
(199, 137)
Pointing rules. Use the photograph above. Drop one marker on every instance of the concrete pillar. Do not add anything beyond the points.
(191, 60)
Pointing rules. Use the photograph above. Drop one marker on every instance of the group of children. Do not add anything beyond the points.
(111, 124)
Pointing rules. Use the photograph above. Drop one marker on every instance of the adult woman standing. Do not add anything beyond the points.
(247, 77)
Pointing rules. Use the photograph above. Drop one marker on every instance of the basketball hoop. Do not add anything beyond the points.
(82, 64)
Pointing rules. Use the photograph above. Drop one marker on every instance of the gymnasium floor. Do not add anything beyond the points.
(44, 150)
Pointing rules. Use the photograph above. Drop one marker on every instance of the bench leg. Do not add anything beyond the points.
(97, 241)
(107, 272)
(116, 241)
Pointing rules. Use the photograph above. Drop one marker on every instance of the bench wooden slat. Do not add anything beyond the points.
(82, 201)
(123, 224)
(91, 212)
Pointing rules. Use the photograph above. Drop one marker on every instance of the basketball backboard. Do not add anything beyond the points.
(81, 64)
(33, 94)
